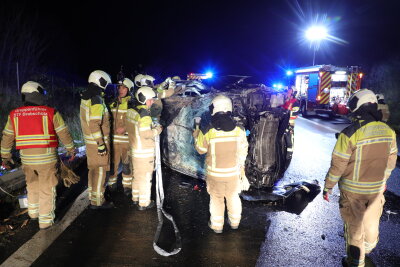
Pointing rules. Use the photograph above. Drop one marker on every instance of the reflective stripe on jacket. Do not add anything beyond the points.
(363, 158)
(33, 127)
(95, 121)
(226, 151)
(118, 111)
(37, 156)
(140, 132)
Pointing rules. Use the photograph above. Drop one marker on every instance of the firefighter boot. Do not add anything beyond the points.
(147, 207)
(215, 231)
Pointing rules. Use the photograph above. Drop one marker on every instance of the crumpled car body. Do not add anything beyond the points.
(270, 146)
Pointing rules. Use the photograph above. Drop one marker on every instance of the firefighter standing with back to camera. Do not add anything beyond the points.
(226, 147)
(363, 158)
(142, 133)
(95, 123)
(120, 137)
(35, 127)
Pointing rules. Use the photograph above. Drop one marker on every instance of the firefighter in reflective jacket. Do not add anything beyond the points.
(363, 158)
(120, 137)
(35, 128)
(226, 146)
(292, 104)
(142, 132)
(95, 123)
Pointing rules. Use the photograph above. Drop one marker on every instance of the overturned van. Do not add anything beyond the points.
(254, 107)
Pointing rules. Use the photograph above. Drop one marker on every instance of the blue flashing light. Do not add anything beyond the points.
(279, 86)
(209, 75)
(274, 85)
(289, 73)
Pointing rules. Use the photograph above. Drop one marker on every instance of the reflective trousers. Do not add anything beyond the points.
(40, 183)
(121, 156)
(220, 190)
(361, 222)
(96, 185)
(141, 184)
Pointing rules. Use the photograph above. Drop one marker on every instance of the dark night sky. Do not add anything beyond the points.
(231, 37)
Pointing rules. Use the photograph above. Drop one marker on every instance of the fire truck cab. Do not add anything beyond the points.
(325, 89)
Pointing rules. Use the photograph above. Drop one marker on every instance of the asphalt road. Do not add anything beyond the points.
(268, 236)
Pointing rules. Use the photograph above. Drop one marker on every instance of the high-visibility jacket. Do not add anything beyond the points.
(33, 127)
(294, 107)
(226, 151)
(95, 121)
(363, 158)
(140, 132)
(118, 111)
(40, 149)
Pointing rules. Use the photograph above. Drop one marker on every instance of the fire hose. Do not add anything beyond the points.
(160, 210)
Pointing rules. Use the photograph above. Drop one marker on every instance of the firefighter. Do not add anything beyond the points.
(383, 107)
(35, 127)
(363, 158)
(292, 104)
(95, 123)
(120, 137)
(226, 147)
(142, 133)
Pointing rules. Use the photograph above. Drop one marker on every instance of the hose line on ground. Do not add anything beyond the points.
(161, 211)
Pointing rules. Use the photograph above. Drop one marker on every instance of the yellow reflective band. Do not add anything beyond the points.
(96, 135)
(95, 117)
(60, 128)
(341, 155)
(7, 131)
(5, 150)
(30, 137)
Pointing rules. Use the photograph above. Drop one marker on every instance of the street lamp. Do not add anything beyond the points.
(315, 34)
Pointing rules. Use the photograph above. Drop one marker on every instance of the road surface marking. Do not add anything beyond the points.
(320, 125)
(34, 247)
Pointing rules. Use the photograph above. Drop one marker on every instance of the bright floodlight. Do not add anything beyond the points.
(316, 33)
(209, 75)
(289, 73)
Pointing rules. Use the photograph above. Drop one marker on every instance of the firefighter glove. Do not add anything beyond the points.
(7, 163)
(195, 133)
(158, 129)
(102, 150)
(326, 193)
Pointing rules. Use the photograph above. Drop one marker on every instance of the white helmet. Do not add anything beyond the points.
(137, 79)
(380, 96)
(31, 87)
(220, 103)
(147, 80)
(127, 83)
(100, 78)
(144, 93)
(360, 98)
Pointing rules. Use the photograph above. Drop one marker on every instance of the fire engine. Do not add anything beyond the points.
(325, 89)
